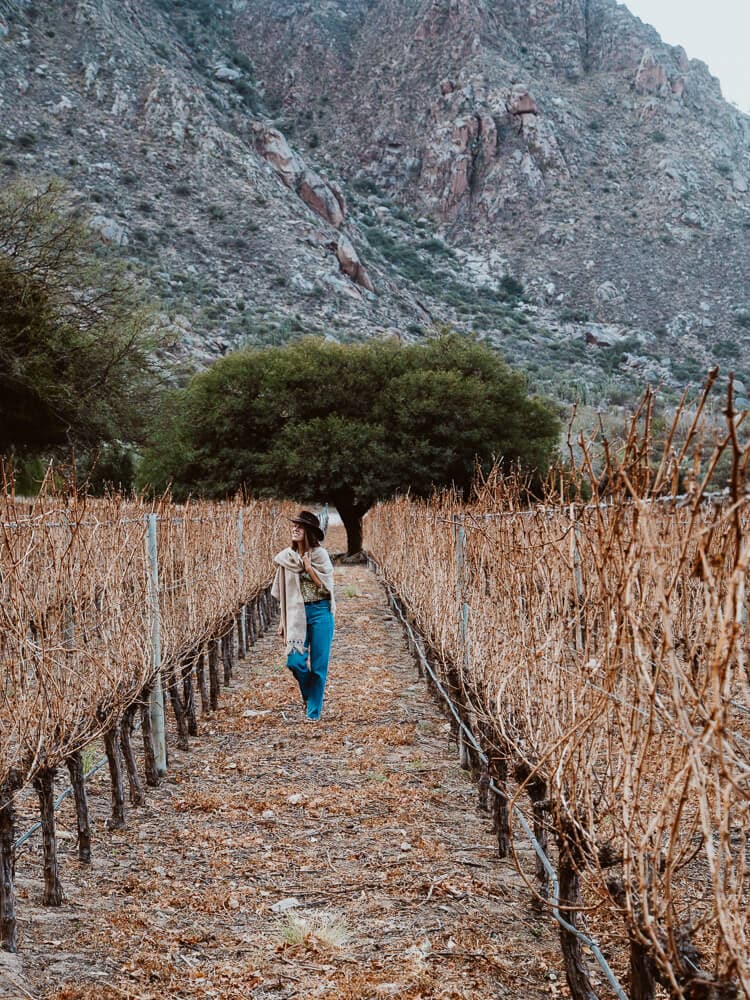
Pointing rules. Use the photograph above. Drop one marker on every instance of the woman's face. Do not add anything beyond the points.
(298, 533)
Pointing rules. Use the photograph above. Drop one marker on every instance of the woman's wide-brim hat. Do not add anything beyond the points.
(310, 521)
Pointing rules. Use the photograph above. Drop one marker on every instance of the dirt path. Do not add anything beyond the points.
(280, 859)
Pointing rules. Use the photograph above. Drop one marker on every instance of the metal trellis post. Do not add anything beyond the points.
(241, 575)
(460, 539)
(156, 703)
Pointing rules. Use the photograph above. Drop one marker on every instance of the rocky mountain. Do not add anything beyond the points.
(547, 173)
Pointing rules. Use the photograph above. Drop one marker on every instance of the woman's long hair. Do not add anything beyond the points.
(312, 542)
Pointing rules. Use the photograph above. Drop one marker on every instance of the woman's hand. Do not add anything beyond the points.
(280, 631)
(308, 568)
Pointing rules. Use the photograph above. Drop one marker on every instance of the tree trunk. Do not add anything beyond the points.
(540, 832)
(239, 622)
(352, 514)
(213, 673)
(500, 812)
(149, 753)
(200, 673)
(44, 784)
(188, 693)
(137, 798)
(642, 984)
(576, 971)
(117, 819)
(8, 928)
(78, 784)
(227, 651)
(178, 708)
(250, 622)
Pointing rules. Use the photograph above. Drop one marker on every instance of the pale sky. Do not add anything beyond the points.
(716, 31)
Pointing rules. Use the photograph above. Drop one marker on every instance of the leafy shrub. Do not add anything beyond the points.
(726, 349)
(363, 185)
(245, 63)
(511, 287)
(436, 247)
(574, 316)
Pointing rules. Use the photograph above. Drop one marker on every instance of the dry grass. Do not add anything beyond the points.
(319, 931)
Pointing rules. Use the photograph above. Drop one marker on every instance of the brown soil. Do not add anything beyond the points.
(365, 820)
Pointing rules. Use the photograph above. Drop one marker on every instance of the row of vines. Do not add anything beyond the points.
(108, 609)
(598, 649)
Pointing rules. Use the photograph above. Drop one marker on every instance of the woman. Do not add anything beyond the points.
(303, 586)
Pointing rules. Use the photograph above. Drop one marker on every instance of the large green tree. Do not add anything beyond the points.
(76, 362)
(348, 424)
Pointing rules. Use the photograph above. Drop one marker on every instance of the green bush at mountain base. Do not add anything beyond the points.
(349, 424)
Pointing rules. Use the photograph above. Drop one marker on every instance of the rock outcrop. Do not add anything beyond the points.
(350, 263)
(323, 198)
(534, 127)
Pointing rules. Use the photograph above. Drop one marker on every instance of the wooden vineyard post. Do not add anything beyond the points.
(44, 783)
(156, 700)
(78, 783)
(8, 928)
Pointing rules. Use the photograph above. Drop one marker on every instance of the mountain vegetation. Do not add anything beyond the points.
(77, 346)
(551, 177)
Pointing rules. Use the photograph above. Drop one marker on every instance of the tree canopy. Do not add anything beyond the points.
(76, 361)
(348, 424)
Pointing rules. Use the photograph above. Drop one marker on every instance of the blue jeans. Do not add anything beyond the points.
(312, 679)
